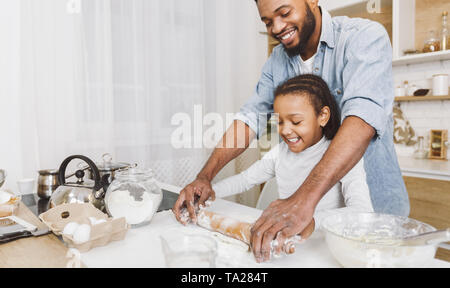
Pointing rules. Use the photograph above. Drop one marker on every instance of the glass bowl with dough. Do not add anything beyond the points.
(376, 240)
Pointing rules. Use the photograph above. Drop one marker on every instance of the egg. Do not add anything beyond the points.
(82, 234)
(70, 228)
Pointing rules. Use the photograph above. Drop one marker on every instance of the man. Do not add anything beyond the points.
(354, 57)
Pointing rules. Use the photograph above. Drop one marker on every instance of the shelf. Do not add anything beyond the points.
(421, 98)
(422, 58)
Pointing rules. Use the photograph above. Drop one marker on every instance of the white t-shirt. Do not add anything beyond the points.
(290, 169)
(308, 65)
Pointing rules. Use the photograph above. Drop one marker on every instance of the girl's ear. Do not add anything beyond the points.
(324, 116)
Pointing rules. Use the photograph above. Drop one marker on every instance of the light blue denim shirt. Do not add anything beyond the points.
(355, 59)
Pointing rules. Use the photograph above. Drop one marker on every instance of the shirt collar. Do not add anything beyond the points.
(327, 29)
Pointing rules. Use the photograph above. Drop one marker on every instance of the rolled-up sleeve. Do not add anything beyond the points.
(257, 110)
(367, 77)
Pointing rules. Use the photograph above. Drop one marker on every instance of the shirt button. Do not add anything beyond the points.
(316, 69)
(339, 92)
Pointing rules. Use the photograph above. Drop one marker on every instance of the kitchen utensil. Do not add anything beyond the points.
(47, 183)
(13, 228)
(434, 237)
(377, 240)
(107, 167)
(26, 186)
(82, 191)
(2, 177)
(234, 228)
(188, 251)
(134, 195)
(440, 85)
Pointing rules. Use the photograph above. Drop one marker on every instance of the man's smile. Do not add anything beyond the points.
(287, 37)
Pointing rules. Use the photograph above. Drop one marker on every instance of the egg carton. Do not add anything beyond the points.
(100, 235)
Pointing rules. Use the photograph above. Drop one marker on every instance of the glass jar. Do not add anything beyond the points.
(420, 152)
(135, 195)
(432, 44)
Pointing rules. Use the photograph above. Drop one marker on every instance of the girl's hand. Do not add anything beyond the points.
(194, 194)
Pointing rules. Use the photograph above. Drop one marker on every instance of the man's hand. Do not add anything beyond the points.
(281, 220)
(198, 191)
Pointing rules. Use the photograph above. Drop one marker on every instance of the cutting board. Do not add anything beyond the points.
(34, 252)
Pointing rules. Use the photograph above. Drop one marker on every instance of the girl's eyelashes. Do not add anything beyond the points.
(293, 123)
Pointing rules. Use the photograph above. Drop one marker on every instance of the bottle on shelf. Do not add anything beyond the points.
(445, 35)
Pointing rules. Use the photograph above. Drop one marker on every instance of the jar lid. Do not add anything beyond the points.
(112, 166)
(136, 174)
(107, 165)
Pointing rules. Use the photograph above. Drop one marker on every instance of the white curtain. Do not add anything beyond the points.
(102, 76)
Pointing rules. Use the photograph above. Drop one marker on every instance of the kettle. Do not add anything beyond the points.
(83, 191)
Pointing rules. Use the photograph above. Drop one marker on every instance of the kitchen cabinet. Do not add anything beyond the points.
(430, 203)
(407, 22)
(428, 185)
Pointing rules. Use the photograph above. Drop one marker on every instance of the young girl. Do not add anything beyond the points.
(308, 119)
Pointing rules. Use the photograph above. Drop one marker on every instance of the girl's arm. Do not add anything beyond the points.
(355, 192)
(261, 171)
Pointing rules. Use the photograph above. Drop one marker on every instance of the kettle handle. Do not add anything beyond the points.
(96, 174)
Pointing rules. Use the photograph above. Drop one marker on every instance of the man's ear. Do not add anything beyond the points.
(324, 116)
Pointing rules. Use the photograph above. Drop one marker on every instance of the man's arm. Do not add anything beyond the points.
(291, 216)
(234, 142)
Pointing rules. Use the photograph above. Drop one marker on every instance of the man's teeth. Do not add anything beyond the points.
(293, 140)
(287, 36)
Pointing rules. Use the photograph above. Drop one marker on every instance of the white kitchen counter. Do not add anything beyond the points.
(425, 168)
(142, 248)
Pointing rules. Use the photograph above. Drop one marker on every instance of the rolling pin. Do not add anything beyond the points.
(235, 229)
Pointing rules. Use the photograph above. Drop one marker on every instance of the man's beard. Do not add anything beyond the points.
(308, 28)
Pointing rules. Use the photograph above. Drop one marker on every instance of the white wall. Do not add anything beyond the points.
(423, 116)
(10, 158)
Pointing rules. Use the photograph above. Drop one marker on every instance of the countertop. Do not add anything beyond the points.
(142, 246)
(425, 168)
